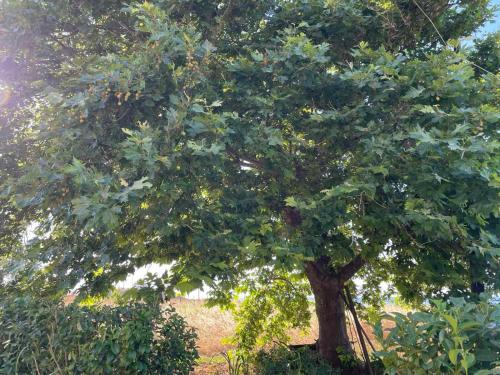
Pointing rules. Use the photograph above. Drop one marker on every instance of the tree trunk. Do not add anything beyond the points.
(327, 284)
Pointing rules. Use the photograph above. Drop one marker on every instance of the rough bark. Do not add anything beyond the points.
(326, 284)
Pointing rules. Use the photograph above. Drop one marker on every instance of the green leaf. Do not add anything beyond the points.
(422, 136)
(257, 56)
(109, 218)
(220, 265)
(186, 286)
(141, 184)
(422, 317)
(115, 348)
(195, 128)
(215, 148)
(197, 108)
(427, 109)
(468, 361)
(452, 321)
(442, 334)
(468, 325)
(344, 189)
(75, 168)
(483, 372)
(291, 202)
(459, 302)
(275, 140)
(453, 355)
(486, 354)
(414, 93)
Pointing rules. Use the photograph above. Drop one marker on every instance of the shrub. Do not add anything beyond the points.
(454, 337)
(43, 337)
(237, 362)
(281, 360)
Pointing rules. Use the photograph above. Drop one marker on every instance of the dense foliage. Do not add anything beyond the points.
(43, 337)
(318, 138)
(273, 305)
(458, 337)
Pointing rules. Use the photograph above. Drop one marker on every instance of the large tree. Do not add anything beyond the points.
(316, 138)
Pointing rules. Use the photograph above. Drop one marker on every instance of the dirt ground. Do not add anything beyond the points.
(214, 326)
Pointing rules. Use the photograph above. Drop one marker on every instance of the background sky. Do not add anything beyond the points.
(495, 25)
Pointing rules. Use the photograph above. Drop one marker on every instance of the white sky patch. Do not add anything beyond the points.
(359, 282)
(140, 273)
(156, 270)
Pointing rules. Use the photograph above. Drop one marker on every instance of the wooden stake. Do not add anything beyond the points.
(359, 328)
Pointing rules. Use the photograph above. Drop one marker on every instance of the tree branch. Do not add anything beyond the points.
(245, 159)
(347, 271)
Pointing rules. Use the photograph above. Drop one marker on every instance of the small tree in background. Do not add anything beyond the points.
(320, 139)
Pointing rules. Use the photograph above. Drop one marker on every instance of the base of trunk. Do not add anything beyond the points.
(333, 341)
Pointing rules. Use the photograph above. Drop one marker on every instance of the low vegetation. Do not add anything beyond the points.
(458, 337)
(41, 336)
(44, 337)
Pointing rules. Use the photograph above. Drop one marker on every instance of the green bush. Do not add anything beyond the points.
(42, 337)
(454, 337)
(281, 361)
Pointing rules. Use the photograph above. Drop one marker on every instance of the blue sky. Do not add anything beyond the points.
(494, 26)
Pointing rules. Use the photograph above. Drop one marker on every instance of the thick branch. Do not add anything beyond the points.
(347, 271)
(320, 271)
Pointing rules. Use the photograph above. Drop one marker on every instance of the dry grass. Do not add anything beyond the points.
(214, 326)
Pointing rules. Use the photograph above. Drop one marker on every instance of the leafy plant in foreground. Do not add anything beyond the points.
(237, 363)
(43, 337)
(455, 337)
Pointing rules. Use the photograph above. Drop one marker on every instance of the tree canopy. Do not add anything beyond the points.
(224, 138)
